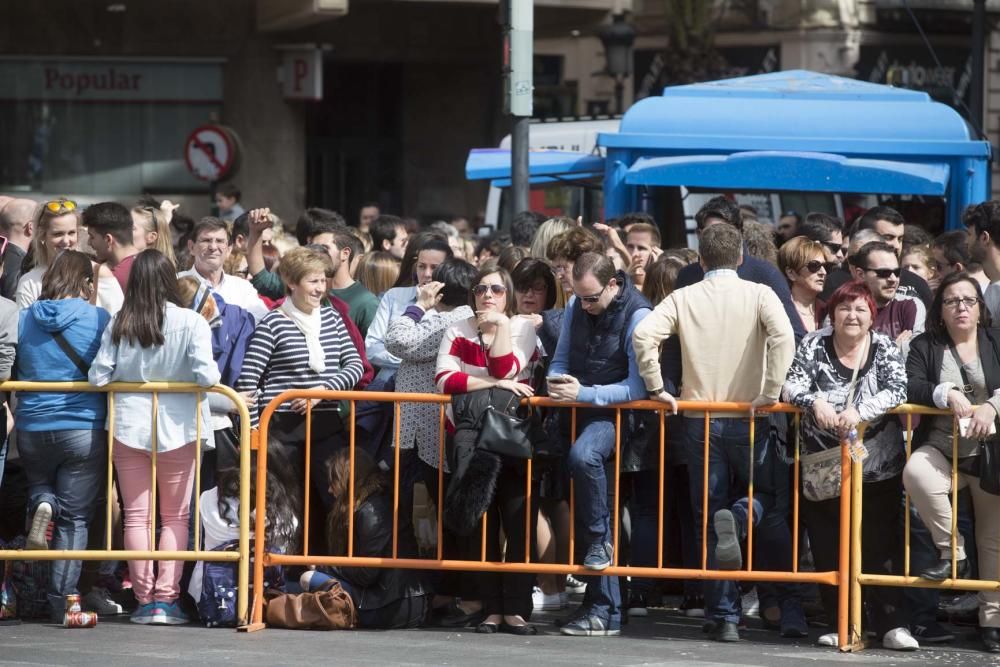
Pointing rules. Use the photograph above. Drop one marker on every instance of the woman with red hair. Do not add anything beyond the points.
(842, 376)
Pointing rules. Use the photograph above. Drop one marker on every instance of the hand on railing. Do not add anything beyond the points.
(518, 388)
(665, 397)
(300, 405)
(564, 388)
(761, 401)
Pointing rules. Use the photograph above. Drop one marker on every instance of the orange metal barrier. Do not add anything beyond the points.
(241, 557)
(262, 558)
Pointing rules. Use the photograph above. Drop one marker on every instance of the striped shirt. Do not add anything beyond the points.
(278, 360)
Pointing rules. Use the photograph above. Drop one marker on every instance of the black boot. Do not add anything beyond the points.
(942, 570)
(991, 639)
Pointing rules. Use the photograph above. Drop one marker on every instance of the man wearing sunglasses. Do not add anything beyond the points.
(17, 223)
(899, 315)
(594, 363)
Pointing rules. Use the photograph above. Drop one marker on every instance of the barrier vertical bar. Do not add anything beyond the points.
(307, 486)
(258, 547)
(440, 494)
(844, 569)
(618, 481)
(152, 493)
(111, 469)
(753, 461)
(527, 514)
(795, 497)
(350, 489)
(954, 497)
(857, 482)
(704, 500)
(906, 500)
(395, 482)
(572, 491)
(482, 552)
(660, 507)
(243, 569)
(197, 471)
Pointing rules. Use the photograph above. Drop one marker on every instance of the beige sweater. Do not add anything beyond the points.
(736, 340)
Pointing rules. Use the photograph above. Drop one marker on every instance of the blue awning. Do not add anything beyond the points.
(779, 170)
(543, 166)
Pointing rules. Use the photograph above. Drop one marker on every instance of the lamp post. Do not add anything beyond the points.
(618, 38)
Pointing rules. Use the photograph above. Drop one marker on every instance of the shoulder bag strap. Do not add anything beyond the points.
(71, 353)
(966, 384)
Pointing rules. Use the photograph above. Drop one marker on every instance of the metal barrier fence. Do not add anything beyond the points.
(241, 556)
(262, 558)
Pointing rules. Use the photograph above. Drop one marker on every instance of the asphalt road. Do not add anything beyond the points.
(664, 638)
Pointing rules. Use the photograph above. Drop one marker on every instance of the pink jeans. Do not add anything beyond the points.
(174, 481)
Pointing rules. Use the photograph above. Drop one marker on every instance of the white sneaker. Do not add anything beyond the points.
(750, 603)
(900, 639)
(99, 601)
(564, 599)
(574, 585)
(831, 639)
(542, 602)
(39, 527)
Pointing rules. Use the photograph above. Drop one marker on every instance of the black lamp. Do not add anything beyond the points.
(618, 38)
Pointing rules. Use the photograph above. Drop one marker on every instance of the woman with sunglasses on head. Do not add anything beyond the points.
(488, 359)
(152, 229)
(956, 365)
(805, 264)
(57, 228)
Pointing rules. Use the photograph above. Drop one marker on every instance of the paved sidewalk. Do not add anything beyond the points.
(664, 638)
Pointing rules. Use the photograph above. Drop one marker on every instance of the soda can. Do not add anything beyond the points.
(80, 619)
(73, 602)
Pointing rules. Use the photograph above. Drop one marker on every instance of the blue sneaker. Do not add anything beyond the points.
(143, 615)
(592, 626)
(598, 556)
(169, 613)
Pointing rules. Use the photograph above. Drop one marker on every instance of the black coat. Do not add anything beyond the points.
(377, 587)
(923, 369)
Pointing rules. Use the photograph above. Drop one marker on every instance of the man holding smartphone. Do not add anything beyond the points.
(595, 363)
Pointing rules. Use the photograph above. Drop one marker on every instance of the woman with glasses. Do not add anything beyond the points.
(57, 228)
(488, 359)
(805, 264)
(956, 365)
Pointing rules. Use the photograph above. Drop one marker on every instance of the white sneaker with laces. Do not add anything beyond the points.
(900, 639)
(574, 585)
(831, 639)
(99, 601)
(750, 603)
(543, 602)
(39, 527)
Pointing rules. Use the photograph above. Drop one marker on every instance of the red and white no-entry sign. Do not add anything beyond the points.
(210, 152)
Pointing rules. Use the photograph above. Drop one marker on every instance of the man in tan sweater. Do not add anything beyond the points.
(736, 346)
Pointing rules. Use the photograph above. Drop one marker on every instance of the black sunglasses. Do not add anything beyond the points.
(885, 273)
(834, 247)
(815, 265)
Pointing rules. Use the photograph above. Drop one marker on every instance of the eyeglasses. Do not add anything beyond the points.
(885, 273)
(481, 290)
(954, 302)
(835, 248)
(593, 298)
(60, 206)
(537, 289)
(815, 265)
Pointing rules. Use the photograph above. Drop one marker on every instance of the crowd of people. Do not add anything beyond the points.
(844, 321)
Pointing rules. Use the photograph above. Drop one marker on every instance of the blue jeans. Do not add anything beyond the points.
(728, 470)
(588, 456)
(67, 470)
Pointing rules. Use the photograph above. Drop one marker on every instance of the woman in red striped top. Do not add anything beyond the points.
(494, 350)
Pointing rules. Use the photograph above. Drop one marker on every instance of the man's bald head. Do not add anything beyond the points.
(3, 201)
(17, 219)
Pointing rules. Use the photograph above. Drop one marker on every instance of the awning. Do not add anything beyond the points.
(493, 164)
(779, 170)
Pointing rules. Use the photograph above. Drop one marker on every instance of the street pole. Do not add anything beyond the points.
(519, 88)
(978, 61)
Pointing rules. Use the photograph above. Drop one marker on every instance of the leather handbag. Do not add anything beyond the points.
(505, 432)
(328, 609)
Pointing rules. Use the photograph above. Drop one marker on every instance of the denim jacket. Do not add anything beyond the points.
(185, 356)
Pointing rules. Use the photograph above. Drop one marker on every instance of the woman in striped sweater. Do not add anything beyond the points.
(302, 345)
(495, 350)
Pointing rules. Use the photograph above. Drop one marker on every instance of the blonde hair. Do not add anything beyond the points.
(547, 231)
(377, 271)
(297, 263)
(232, 263)
(187, 290)
(158, 221)
(42, 254)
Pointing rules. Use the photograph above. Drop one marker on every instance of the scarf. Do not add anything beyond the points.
(310, 326)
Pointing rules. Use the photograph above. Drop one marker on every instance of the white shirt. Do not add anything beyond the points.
(185, 356)
(235, 291)
(29, 288)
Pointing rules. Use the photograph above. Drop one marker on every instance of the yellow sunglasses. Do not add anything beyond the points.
(60, 206)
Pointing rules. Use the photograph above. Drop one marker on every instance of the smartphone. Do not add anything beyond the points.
(558, 379)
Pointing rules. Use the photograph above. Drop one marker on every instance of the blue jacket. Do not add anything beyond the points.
(40, 358)
(230, 339)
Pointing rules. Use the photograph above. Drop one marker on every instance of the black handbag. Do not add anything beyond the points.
(504, 432)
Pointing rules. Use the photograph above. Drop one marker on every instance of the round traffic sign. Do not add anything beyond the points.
(210, 152)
